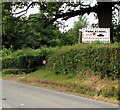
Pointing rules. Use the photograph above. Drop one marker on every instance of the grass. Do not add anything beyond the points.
(47, 75)
(90, 86)
(85, 84)
(70, 84)
(12, 75)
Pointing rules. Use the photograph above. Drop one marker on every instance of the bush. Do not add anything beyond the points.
(6, 52)
(23, 62)
(102, 59)
(30, 61)
(10, 63)
(27, 58)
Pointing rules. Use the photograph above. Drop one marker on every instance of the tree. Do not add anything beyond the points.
(74, 32)
(27, 32)
(9, 25)
(52, 11)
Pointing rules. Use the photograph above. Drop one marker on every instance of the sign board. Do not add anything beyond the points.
(95, 34)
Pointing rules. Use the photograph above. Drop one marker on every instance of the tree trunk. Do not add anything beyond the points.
(104, 13)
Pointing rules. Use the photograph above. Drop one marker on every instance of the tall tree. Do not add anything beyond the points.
(27, 32)
(8, 25)
(52, 11)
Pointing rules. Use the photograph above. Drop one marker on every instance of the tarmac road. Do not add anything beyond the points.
(18, 95)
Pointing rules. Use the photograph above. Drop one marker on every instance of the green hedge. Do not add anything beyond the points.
(9, 63)
(23, 62)
(27, 58)
(72, 60)
(103, 59)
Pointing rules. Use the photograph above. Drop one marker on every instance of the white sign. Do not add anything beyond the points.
(95, 34)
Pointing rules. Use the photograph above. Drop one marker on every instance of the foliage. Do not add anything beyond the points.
(116, 33)
(38, 36)
(38, 30)
(111, 92)
(6, 52)
(27, 32)
(9, 25)
(103, 59)
(74, 32)
(27, 58)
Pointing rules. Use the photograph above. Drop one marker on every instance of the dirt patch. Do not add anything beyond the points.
(46, 82)
(13, 78)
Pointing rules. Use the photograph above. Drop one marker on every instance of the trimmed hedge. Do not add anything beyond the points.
(25, 59)
(103, 59)
(23, 62)
(72, 60)
(9, 63)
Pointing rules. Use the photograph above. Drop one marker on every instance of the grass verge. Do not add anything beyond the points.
(84, 85)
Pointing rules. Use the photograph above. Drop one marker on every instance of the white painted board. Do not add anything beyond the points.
(95, 34)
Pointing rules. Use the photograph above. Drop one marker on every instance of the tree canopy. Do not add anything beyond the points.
(18, 29)
(56, 10)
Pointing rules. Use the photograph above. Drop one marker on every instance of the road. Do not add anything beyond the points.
(18, 95)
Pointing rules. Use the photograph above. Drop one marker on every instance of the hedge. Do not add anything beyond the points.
(103, 59)
(22, 62)
(27, 59)
(72, 60)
